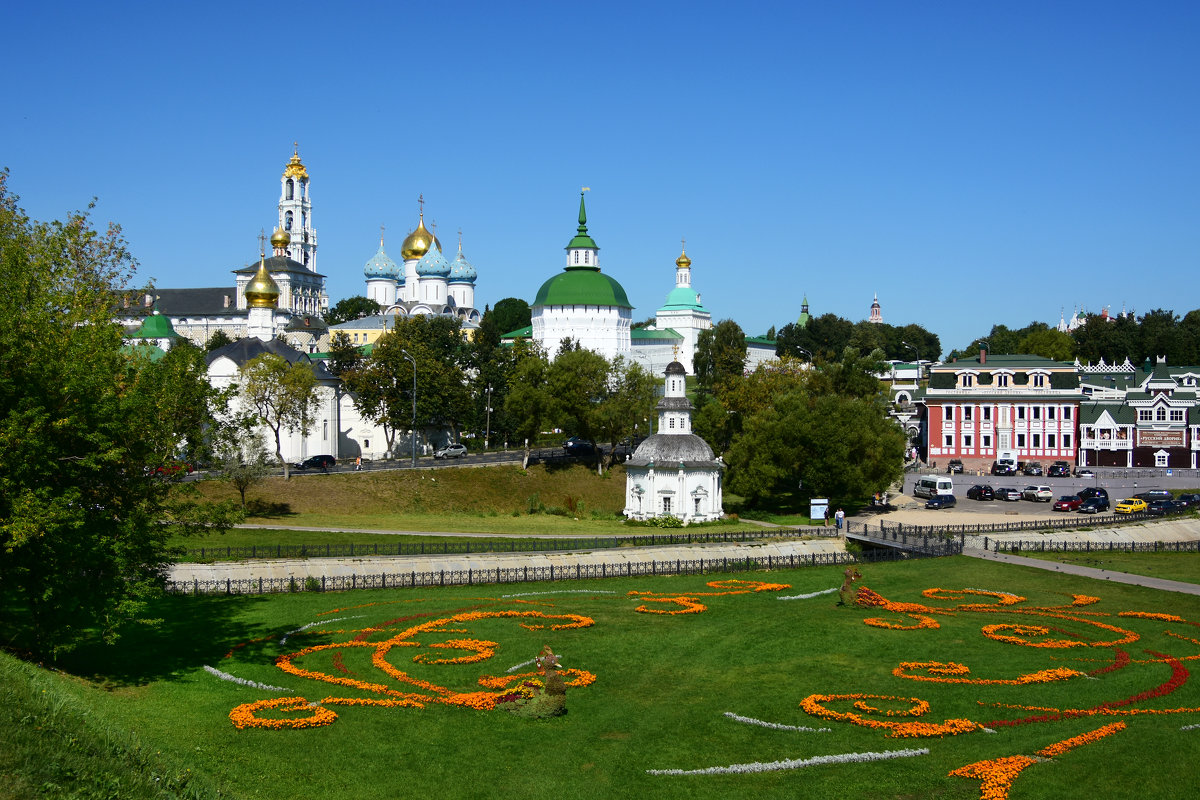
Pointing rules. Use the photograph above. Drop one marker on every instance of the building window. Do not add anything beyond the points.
(1039, 381)
(366, 444)
(987, 441)
(1160, 414)
(325, 435)
(1050, 412)
(1067, 412)
(666, 505)
(1162, 458)
(967, 441)
(949, 441)
(672, 425)
(1002, 381)
(1066, 441)
(1037, 412)
(1050, 440)
(576, 256)
(287, 220)
(587, 257)
(291, 190)
(967, 414)
(967, 381)
(1145, 415)
(1176, 415)
(987, 413)
(1021, 440)
(949, 410)
(1037, 441)
(1020, 412)
(696, 506)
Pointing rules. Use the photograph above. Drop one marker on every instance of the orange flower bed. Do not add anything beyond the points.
(1058, 748)
(938, 672)
(815, 704)
(997, 774)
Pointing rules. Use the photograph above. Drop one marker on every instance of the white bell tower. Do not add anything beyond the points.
(295, 212)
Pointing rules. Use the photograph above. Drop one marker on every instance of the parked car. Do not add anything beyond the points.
(323, 462)
(1094, 491)
(575, 446)
(1093, 505)
(941, 501)
(1153, 494)
(173, 469)
(1188, 500)
(454, 450)
(1084, 472)
(981, 491)
(1042, 493)
(955, 466)
(1130, 506)
(1160, 508)
(1033, 468)
(1068, 502)
(1003, 469)
(1008, 493)
(1059, 469)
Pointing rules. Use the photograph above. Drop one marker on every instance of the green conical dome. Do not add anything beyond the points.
(581, 234)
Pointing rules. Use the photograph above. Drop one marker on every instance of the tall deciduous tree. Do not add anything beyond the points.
(84, 523)
(628, 399)
(281, 395)
(527, 405)
(350, 308)
(720, 355)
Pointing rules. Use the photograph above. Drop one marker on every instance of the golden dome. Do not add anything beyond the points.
(417, 243)
(280, 239)
(262, 291)
(683, 262)
(294, 168)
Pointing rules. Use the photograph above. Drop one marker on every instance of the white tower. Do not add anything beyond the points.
(295, 212)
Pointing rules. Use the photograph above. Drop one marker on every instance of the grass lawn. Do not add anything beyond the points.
(1169, 566)
(663, 685)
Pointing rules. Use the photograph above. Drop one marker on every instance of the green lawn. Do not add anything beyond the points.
(1169, 566)
(663, 686)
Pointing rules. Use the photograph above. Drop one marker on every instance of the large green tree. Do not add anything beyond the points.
(527, 406)
(350, 308)
(282, 395)
(720, 356)
(84, 522)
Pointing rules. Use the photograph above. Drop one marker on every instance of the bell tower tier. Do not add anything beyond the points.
(295, 212)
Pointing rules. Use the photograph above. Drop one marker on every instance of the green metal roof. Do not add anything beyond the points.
(581, 235)
(683, 298)
(144, 350)
(581, 286)
(1090, 413)
(519, 333)
(156, 326)
(664, 334)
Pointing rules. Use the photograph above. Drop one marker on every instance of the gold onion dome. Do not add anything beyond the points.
(262, 291)
(683, 262)
(294, 168)
(280, 239)
(417, 243)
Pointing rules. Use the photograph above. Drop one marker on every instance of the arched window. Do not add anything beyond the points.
(576, 256)
(287, 221)
(291, 190)
(587, 257)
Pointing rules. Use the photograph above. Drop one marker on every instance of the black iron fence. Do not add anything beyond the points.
(922, 543)
(491, 545)
(889, 530)
(495, 575)
(1091, 547)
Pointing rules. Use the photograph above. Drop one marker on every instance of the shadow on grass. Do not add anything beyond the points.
(782, 504)
(268, 510)
(192, 632)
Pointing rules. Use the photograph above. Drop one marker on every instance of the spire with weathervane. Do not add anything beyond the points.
(582, 250)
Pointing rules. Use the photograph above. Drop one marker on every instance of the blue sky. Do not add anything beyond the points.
(972, 163)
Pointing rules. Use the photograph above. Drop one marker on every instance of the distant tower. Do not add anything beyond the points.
(295, 213)
(262, 297)
(876, 314)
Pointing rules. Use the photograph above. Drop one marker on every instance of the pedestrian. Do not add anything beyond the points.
(358, 464)
(825, 521)
(839, 518)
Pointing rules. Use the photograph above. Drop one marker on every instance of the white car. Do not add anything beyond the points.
(451, 451)
(1037, 493)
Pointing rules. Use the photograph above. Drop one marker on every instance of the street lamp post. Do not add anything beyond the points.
(413, 434)
(487, 430)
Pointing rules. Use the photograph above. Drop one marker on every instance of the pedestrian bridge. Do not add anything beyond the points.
(921, 540)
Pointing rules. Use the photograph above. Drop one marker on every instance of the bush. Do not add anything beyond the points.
(312, 584)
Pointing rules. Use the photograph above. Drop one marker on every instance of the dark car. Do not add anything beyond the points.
(1154, 494)
(1093, 505)
(1059, 469)
(1094, 491)
(1188, 500)
(1068, 502)
(1003, 469)
(317, 462)
(941, 501)
(1008, 493)
(575, 446)
(955, 466)
(981, 491)
(1160, 508)
(1032, 468)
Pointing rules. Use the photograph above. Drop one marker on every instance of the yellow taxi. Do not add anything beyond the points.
(1130, 506)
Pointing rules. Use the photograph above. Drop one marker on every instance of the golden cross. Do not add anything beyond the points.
(262, 242)
(421, 203)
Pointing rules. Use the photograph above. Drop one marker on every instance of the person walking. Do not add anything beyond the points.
(825, 521)
(358, 464)
(839, 518)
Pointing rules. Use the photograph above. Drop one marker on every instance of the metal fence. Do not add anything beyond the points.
(889, 530)
(468, 577)
(491, 545)
(1093, 547)
(918, 542)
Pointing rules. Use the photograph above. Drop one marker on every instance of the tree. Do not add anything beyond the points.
(281, 395)
(344, 355)
(240, 453)
(577, 384)
(720, 355)
(1048, 342)
(511, 314)
(527, 405)
(629, 397)
(350, 308)
(218, 340)
(84, 522)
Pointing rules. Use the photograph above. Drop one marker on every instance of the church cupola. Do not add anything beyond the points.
(582, 251)
(683, 267)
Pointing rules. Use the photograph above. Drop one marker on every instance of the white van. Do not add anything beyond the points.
(930, 485)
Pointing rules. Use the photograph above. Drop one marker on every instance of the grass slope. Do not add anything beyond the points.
(1169, 566)
(663, 686)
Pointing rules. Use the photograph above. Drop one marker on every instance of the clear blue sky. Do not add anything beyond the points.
(972, 163)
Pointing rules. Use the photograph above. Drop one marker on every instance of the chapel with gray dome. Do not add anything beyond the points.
(673, 473)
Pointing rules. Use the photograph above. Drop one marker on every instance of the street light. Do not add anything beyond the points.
(487, 430)
(413, 434)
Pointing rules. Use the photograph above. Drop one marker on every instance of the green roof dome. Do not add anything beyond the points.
(582, 239)
(581, 286)
(682, 297)
(156, 326)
